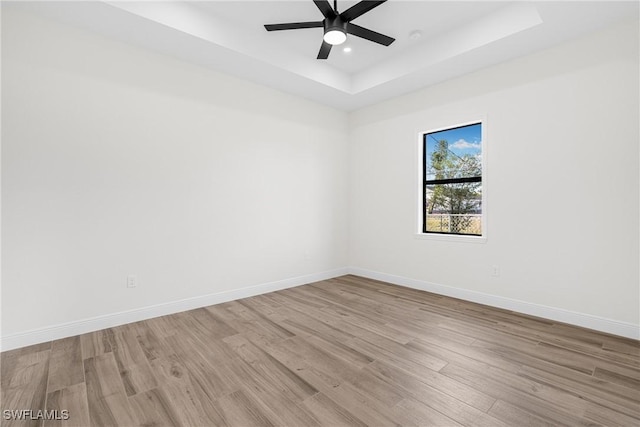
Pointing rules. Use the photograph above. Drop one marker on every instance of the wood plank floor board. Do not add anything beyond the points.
(102, 377)
(466, 355)
(621, 346)
(188, 344)
(377, 391)
(493, 332)
(163, 326)
(535, 387)
(239, 409)
(382, 303)
(269, 372)
(266, 395)
(377, 286)
(361, 298)
(456, 407)
(570, 332)
(72, 399)
(205, 324)
(305, 298)
(420, 414)
(306, 326)
(623, 376)
(347, 351)
(610, 408)
(211, 374)
(565, 358)
(313, 318)
(259, 322)
(299, 300)
(515, 416)
(26, 388)
(329, 365)
(414, 383)
(237, 319)
(296, 414)
(150, 344)
(370, 411)
(96, 343)
(331, 292)
(579, 358)
(168, 369)
(193, 387)
(344, 298)
(186, 404)
(348, 324)
(585, 385)
(607, 417)
(132, 363)
(155, 408)
(331, 414)
(590, 388)
(419, 328)
(107, 402)
(211, 411)
(561, 414)
(366, 324)
(28, 367)
(587, 348)
(272, 311)
(512, 360)
(312, 375)
(341, 350)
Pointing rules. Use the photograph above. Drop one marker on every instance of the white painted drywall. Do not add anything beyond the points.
(119, 161)
(562, 182)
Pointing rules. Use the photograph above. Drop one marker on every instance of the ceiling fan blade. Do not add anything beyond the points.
(293, 26)
(359, 9)
(365, 33)
(325, 8)
(324, 50)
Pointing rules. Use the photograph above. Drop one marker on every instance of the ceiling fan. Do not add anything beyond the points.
(337, 25)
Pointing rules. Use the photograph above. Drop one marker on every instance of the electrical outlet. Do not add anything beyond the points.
(132, 281)
(495, 270)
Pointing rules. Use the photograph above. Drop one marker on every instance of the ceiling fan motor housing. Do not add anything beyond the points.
(335, 24)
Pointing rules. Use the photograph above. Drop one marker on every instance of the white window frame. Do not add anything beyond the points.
(419, 234)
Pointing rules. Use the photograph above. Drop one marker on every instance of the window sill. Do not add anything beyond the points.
(451, 238)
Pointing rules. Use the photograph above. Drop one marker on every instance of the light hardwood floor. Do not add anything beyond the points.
(347, 351)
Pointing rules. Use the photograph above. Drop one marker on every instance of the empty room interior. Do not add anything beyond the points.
(320, 213)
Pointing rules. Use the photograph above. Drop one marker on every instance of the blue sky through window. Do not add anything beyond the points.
(462, 140)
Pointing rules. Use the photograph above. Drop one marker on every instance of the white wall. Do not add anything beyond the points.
(118, 161)
(562, 183)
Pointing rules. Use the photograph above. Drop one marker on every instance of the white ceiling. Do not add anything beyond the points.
(458, 37)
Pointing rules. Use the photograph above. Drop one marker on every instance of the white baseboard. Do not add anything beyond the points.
(628, 330)
(36, 336)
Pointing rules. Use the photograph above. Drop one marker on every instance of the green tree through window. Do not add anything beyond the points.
(453, 181)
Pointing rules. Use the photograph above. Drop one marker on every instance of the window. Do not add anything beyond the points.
(452, 181)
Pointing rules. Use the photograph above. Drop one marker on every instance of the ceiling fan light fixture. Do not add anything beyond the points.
(335, 31)
(335, 36)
